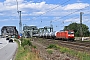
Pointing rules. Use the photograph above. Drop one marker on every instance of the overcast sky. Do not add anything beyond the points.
(42, 13)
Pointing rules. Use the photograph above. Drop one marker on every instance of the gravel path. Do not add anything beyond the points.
(56, 55)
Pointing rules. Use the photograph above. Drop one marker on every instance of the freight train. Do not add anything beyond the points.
(64, 35)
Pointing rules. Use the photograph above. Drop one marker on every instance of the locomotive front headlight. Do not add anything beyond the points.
(72, 35)
(69, 35)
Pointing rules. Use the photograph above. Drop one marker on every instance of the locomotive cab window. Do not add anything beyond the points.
(70, 32)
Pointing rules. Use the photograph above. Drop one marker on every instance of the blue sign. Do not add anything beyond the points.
(20, 34)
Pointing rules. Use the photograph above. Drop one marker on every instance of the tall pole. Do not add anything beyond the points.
(17, 5)
(20, 23)
(51, 26)
(81, 33)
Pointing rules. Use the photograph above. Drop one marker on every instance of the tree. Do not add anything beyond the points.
(76, 28)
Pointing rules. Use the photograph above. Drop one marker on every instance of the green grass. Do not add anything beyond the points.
(20, 53)
(78, 54)
(50, 51)
(24, 53)
(52, 46)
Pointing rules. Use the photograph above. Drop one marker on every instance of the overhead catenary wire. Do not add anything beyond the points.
(63, 22)
(72, 13)
(62, 4)
(63, 16)
(68, 14)
(57, 7)
(87, 18)
(54, 8)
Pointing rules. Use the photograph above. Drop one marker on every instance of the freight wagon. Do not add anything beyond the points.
(64, 35)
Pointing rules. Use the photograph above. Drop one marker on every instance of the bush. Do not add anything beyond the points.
(52, 46)
(26, 42)
(50, 51)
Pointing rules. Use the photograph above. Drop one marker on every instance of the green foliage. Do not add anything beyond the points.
(63, 50)
(52, 46)
(24, 53)
(50, 51)
(76, 28)
(80, 55)
(34, 46)
(26, 42)
(21, 53)
(17, 41)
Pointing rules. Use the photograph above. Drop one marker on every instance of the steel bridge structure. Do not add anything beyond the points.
(9, 31)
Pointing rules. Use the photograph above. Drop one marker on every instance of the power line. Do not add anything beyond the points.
(66, 15)
(72, 12)
(54, 8)
(64, 22)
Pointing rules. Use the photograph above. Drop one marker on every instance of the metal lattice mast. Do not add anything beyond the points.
(20, 23)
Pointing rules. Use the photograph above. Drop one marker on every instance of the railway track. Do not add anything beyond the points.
(79, 46)
(76, 46)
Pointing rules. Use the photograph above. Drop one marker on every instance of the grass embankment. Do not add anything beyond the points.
(80, 55)
(25, 51)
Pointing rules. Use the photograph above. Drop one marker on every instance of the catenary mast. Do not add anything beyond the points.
(20, 22)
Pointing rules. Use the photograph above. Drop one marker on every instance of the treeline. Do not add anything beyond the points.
(77, 30)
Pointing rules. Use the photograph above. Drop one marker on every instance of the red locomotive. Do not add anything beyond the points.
(66, 35)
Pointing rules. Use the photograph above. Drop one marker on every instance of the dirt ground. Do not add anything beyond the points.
(55, 55)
